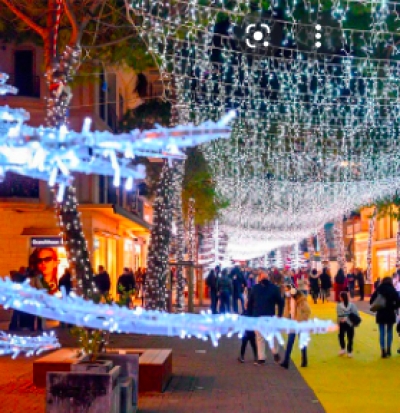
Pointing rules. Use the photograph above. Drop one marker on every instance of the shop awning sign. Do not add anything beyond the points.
(43, 242)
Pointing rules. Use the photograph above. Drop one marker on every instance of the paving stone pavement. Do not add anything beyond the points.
(205, 379)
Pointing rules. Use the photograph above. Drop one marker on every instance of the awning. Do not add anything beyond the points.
(39, 231)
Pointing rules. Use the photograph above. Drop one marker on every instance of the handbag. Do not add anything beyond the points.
(378, 304)
(355, 319)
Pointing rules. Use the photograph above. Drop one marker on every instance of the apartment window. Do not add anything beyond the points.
(24, 77)
(18, 186)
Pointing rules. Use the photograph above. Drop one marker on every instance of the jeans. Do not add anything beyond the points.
(361, 292)
(260, 340)
(225, 306)
(214, 301)
(346, 329)
(249, 336)
(235, 302)
(289, 348)
(325, 294)
(388, 329)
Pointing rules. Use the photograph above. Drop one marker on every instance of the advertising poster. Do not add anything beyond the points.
(48, 256)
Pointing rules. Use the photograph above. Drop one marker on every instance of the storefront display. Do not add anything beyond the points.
(47, 255)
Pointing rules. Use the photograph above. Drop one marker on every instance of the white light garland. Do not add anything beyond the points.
(31, 346)
(76, 310)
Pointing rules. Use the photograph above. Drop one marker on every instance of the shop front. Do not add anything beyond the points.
(386, 262)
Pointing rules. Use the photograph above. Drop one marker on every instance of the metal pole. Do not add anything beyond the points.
(190, 288)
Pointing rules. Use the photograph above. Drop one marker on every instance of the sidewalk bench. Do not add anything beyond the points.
(155, 366)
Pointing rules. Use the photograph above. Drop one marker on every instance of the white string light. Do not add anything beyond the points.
(31, 346)
(76, 310)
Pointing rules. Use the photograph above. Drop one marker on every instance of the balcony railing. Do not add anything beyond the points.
(28, 85)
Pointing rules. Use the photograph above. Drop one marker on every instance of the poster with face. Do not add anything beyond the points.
(48, 257)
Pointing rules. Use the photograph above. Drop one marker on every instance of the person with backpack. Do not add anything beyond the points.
(385, 302)
(345, 312)
(211, 282)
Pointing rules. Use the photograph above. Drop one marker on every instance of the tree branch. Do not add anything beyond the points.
(110, 43)
(39, 30)
(74, 23)
(85, 21)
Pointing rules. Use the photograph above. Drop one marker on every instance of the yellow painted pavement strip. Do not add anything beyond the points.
(365, 383)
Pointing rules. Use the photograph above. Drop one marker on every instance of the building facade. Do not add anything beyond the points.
(116, 224)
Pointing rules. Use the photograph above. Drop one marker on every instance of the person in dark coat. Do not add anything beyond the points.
(351, 280)
(225, 289)
(326, 284)
(126, 282)
(17, 317)
(102, 281)
(239, 285)
(66, 282)
(264, 298)
(211, 282)
(314, 285)
(340, 284)
(386, 316)
(361, 283)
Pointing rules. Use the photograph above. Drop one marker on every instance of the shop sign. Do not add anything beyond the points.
(44, 242)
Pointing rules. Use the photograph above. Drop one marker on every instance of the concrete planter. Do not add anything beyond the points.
(129, 376)
(98, 366)
(83, 392)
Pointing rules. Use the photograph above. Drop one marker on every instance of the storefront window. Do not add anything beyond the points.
(386, 263)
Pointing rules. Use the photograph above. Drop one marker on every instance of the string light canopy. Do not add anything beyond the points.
(76, 310)
(317, 95)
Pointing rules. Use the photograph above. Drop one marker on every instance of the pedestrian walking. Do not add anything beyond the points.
(326, 284)
(314, 285)
(361, 283)
(211, 282)
(248, 337)
(302, 312)
(239, 284)
(340, 284)
(264, 299)
(102, 281)
(344, 310)
(225, 292)
(385, 301)
(125, 287)
(351, 279)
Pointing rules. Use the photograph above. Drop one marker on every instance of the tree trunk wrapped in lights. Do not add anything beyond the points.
(191, 231)
(339, 243)
(75, 243)
(158, 255)
(324, 248)
(178, 171)
(371, 230)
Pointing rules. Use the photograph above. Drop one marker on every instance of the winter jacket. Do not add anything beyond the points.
(302, 309)
(326, 281)
(264, 296)
(386, 315)
(340, 278)
(239, 284)
(343, 312)
(314, 282)
(225, 285)
(126, 282)
(211, 281)
(103, 283)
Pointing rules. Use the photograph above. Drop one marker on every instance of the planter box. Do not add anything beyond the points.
(83, 392)
(85, 366)
(129, 364)
(60, 360)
